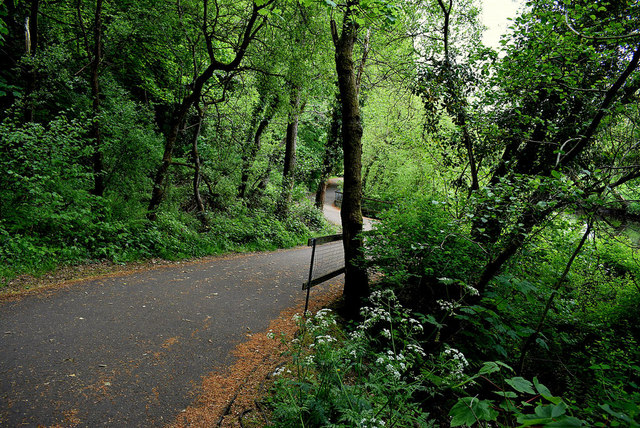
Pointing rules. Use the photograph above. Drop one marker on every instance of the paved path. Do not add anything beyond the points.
(332, 213)
(131, 350)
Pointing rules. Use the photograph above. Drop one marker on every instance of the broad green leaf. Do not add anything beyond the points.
(506, 394)
(544, 391)
(565, 421)
(489, 367)
(520, 384)
(619, 415)
(469, 410)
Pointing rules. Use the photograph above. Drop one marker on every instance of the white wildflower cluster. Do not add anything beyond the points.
(455, 362)
(323, 340)
(384, 298)
(415, 326)
(318, 323)
(357, 335)
(372, 422)
(281, 370)
(372, 316)
(325, 318)
(447, 305)
(416, 349)
(471, 290)
(394, 364)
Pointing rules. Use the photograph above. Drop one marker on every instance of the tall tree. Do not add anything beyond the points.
(550, 113)
(95, 56)
(246, 30)
(262, 114)
(356, 279)
(448, 76)
(331, 152)
(291, 142)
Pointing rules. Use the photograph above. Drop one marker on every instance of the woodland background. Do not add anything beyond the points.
(138, 129)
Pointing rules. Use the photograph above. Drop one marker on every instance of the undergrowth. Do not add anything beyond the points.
(173, 236)
(443, 354)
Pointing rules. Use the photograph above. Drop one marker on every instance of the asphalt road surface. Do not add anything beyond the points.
(331, 212)
(131, 350)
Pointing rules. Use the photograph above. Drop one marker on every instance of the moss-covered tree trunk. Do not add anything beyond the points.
(356, 280)
(291, 142)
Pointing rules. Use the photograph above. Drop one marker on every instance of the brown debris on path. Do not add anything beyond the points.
(230, 393)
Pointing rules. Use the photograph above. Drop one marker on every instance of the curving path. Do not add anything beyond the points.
(332, 213)
(131, 350)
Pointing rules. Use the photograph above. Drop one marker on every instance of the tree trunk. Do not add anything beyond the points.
(31, 46)
(263, 180)
(253, 142)
(330, 153)
(196, 172)
(468, 144)
(290, 154)
(249, 33)
(96, 136)
(356, 285)
(556, 288)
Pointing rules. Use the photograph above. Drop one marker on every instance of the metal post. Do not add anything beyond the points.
(313, 253)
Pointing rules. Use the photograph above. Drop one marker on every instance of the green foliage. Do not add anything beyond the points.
(418, 240)
(364, 378)
(518, 398)
(174, 236)
(44, 174)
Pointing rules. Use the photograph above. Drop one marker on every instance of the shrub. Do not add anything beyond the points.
(365, 378)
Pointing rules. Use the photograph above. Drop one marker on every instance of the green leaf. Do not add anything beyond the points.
(506, 394)
(542, 343)
(489, 367)
(550, 411)
(520, 384)
(544, 391)
(469, 410)
(565, 421)
(619, 415)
